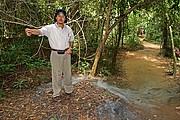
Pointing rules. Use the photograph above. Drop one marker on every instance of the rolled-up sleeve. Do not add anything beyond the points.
(71, 36)
(44, 31)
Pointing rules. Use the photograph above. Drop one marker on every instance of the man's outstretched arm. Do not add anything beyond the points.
(29, 32)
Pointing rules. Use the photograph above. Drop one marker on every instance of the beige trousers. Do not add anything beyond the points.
(61, 73)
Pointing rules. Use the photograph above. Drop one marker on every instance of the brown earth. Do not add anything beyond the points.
(147, 72)
(145, 79)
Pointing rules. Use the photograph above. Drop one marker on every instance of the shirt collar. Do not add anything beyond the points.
(59, 27)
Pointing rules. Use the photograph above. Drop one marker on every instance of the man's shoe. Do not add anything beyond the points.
(68, 93)
(57, 99)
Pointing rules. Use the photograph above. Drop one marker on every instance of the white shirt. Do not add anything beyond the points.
(58, 38)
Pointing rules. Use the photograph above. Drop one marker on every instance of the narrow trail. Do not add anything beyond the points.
(149, 85)
(144, 69)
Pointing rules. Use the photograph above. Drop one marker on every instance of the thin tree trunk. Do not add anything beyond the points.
(79, 52)
(105, 36)
(174, 55)
(98, 54)
(115, 51)
(165, 37)
(98, 22)
(122, 39)
(112, 38)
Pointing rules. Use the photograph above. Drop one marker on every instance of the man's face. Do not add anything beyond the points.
(60, 18)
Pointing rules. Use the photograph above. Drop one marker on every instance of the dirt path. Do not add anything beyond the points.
(144, 68)
(149, 86)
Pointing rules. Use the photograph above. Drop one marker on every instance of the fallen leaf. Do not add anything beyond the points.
(43, 113)
(28, 107)
(89, 104)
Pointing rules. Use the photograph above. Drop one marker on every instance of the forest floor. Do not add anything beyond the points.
(142, 90)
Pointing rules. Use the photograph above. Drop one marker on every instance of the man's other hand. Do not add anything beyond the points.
(69, 51)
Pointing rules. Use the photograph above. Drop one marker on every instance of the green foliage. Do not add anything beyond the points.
(161, 16)
(135, 22)
(19, 84)
(19, 54)
(2, 94)
(15, 55)
(7, 68)
(104, 71)
(107, 93)
(35, 63)
(84, 67)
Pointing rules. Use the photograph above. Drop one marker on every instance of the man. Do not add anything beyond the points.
(61, 39)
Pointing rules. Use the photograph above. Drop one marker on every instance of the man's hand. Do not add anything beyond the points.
(69, 51)
(28, 31)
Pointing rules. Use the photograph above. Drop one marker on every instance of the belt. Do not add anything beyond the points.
(60, 51)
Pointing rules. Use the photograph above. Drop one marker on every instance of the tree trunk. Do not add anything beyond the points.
(98, 22)
(165, 37)
(174, 55)
(98, 54)
(115, 51)
(104, 38)
(122, 39)
(79, 53)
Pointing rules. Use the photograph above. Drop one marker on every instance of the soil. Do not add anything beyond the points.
(147, 84)
(146, 71)
(140, 91)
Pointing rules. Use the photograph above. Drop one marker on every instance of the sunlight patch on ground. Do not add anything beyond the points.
(148, 58)
(130, 53)
(149, 45)
(159, 66)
